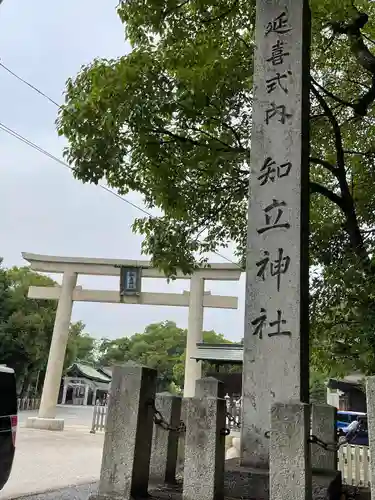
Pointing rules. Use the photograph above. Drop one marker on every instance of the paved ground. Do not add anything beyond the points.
(48, 460)
(73, 415)
(80, 492)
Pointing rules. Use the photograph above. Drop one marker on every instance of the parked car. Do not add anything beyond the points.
(345, 418)
(8, 422)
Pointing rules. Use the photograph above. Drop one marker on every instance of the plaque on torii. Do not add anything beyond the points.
(130, 281)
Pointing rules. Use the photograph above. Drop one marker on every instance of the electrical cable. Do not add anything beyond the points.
(26, 141)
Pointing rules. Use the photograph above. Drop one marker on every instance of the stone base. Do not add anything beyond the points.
(47, 424)
(107, 497)
(253, 484)
(326, 484)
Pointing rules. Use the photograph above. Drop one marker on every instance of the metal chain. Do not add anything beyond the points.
(231, 418)
(161, 421)
(181, 428)
(333, 447)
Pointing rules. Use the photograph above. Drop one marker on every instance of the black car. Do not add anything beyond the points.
(8, 422)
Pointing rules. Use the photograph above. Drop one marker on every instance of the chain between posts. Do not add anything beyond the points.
(162, 422)
(180, 429)
(231, 418)
(333, 447)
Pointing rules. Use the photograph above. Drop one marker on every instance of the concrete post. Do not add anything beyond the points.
(324, 427)
(290, 467)
(86, 396)
(164, 442)
(193, 368)
(370, 395)
(47, 411)
(204, 449)
(209, 386)
(94, 397)
(128, 436)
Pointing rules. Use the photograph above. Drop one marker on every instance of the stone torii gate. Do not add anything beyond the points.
(130, 273)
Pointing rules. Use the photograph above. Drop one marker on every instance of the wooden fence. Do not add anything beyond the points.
(25, 404)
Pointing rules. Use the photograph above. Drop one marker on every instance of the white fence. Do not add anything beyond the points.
(25, 404)
(354, 464)
(100, 416)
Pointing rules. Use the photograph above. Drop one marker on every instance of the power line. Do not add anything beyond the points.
(29, 85)
(31, 144)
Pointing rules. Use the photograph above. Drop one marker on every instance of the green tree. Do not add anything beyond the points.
(160, 346)
(81, 346)
(27, 325)
(172, 121)
(113, 351)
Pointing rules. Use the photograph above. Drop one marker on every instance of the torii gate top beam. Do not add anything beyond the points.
(111, 267)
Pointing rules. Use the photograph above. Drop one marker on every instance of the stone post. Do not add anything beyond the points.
(65, 390)
(204, 449)
(193, 368)
(128, 436)
(370, 395)
(290, 468)
(323, 419)
(209, 386)
(164, 442)
(86, 396)
(47, 411)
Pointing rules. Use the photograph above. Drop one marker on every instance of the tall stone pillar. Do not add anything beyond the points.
(47, 411)
(276, 335)
(193, 368)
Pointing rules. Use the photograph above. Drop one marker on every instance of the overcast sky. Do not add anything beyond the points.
(43, 209)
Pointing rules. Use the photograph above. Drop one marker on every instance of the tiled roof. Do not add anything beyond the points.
(91, 373)
(226, 353)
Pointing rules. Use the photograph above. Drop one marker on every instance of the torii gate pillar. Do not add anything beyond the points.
(47, 411)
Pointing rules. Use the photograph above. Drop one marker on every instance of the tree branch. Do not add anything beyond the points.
(362, 105)
(363, 55)
(319, 189)
(222, 15)
(340, 157)
(367, 154)
(345, 202)
(180, 138)
(330, 94)
(169, 11)
(325, 164)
